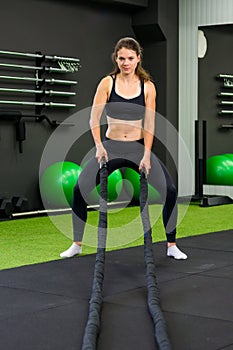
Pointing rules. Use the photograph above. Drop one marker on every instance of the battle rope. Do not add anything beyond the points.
(93, 323)
(153, 299)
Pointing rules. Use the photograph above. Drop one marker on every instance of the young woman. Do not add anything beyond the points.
(129, 98)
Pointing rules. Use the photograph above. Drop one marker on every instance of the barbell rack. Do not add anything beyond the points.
(40, 80)
(39, 56)
(42, 68)
(42, 92)
(33, 77)
(38, 104)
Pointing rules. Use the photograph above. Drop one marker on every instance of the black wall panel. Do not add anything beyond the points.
(54, 27)
(157, 29)
(87, 30)
(218, 59)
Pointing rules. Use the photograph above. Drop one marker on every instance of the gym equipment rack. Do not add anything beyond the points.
(43, 70)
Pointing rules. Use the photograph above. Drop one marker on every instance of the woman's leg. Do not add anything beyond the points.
(160, 178)
(162, 181)
(86, 182)
(120, 156)
(88, 179)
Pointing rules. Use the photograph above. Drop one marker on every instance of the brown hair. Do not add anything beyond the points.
(130, 44)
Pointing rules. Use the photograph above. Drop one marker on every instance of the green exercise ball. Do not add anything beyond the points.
(219, 170)
(57, 183)
(132, 186)
(229, 155)
(115, 186)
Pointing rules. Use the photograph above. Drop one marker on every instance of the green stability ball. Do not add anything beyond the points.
(115, 185)
(132, 186)
(57, 183)
(219, 170)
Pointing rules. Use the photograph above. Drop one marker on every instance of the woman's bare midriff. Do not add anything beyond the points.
(124, 130)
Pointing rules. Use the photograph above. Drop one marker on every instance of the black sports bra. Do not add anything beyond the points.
(122, 108)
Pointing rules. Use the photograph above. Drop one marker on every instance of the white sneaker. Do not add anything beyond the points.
(72, 251)
(176, 253)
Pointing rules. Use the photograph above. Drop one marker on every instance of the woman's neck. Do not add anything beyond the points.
(128, 78)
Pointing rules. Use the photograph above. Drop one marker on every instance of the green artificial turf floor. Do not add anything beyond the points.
(41, 239)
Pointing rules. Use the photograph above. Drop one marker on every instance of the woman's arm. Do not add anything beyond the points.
(149, 124)
(100, 99)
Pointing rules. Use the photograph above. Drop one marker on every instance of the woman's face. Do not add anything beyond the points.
(127, 60)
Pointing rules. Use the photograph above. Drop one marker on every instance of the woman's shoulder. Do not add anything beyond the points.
(105, 84)
(149, 87)
(106, 81)
(149, 83)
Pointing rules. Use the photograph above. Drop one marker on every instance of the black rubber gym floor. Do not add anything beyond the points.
(45, 306)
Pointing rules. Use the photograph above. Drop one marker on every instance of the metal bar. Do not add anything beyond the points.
(59, 93)
(204, 153)
(226, 102)
(60, 211)
(226, 126)
(197, 157)
(41, 212)
(224, 111)
(225, 94)
(49, 81)
(42, 104)
(225, 76)
(60, 58)
(33, 55)
(48, 69)
(58, 104)
(9, 65)
(23, 54)
(59, 81)
(27, 91)
(46, 92)
(8, 77)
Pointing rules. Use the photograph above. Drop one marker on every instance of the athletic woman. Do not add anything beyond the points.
(128, 97)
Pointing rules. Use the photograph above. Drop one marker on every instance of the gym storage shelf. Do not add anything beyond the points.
(43, 70)
(25, 82)
(226, 96)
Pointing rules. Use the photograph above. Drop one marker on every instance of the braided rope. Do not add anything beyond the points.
(153, 299)
(93, 323)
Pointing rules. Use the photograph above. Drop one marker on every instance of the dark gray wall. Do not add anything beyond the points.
(157, 29)
(218, 59)
(87, 30)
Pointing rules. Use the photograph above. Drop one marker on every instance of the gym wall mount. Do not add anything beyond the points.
(226, 101)
(44, 75)
(20, 126)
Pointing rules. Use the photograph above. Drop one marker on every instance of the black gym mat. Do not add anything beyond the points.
(45, 306)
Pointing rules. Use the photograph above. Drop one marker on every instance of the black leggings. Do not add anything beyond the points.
(125, 154)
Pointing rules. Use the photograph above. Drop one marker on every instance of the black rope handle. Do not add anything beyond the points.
(95, 306)
(153, 298)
